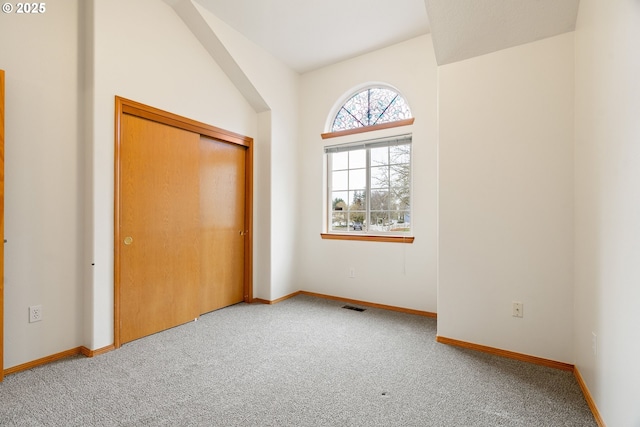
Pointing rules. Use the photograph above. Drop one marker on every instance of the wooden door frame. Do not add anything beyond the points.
(133, 108)
(2, 224)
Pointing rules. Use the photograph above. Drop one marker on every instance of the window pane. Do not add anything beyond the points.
(399, 200)
(357, 179)
(356, 220)
(400, 154)
(340, 180)
(358, 107)
(400, 186)
(357, 159)
(371, 106)
(379, 200)
(401, 221)
(380, 99)
(339, 200)
(379, 221)
(340, 160)
(370, 190)
(339, 221)
(343, 121)
(379, 156)
(357, 200)
(380, 177)
(399, 175)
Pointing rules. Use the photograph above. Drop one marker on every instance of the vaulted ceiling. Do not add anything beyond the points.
(311, 34)
(463, 29)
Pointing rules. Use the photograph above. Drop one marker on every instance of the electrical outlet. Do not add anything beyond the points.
(517, 309)
(352, 273)
(594, 343)
(35, 313)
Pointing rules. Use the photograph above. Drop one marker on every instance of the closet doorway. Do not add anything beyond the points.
(183, 203)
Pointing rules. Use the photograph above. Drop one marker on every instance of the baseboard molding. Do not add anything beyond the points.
(43, 361)
(372, 304)
(52, 358)
(275, 301)
(350, 301)
(92, 353)
(535, 360)
(589, 398)
(505, 353)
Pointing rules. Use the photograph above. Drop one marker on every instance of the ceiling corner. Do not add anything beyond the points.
(463, 29)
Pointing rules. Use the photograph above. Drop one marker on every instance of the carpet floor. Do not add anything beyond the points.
(305, 361)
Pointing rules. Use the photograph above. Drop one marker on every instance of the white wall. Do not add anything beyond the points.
(44, 195)
(506, 199)
(143, 51)
(397, 274)
(607, 177)
(275, 235)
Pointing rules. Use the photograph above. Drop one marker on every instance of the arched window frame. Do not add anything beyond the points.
(330, 232)
(350, 95)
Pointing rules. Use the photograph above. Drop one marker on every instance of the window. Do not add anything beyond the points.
(369, 187)
(371, 107)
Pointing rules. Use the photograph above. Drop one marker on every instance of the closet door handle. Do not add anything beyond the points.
(128, 240)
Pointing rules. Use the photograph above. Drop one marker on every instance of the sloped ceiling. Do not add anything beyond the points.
(463, 29)
(310, 34)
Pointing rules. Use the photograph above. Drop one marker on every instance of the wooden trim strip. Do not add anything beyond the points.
(350, 301)
(275, 301)
(44, 360)
(62, 355)
(248, 222)
(372, 304)
(2, 224)
(589, 398)
(390, 125)
(92, 353)
(368, 238)
(506, 353)
(151, 113)
(117, 184)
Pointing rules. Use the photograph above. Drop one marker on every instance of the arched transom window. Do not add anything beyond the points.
(372, 106)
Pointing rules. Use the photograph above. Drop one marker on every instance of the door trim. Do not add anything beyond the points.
(2, 224)
(125, 106)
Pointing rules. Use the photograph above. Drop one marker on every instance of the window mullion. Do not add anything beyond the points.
(330, 192)
(368, 191)
(348, 201)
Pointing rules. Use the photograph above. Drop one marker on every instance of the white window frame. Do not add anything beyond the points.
(405, 139)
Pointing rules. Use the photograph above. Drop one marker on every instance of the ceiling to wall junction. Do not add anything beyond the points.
(307, 35)
(463, 29)
(311, 34)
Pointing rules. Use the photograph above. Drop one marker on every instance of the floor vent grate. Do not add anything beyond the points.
(350, 307)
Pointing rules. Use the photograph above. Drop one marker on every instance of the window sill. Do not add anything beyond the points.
(368, 238)
(364, 129)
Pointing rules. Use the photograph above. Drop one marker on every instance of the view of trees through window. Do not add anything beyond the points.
(371, 189)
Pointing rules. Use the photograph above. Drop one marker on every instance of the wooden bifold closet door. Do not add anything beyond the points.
(182, 220)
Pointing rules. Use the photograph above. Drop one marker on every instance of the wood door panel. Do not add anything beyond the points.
(159, 269)
(222, 221)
